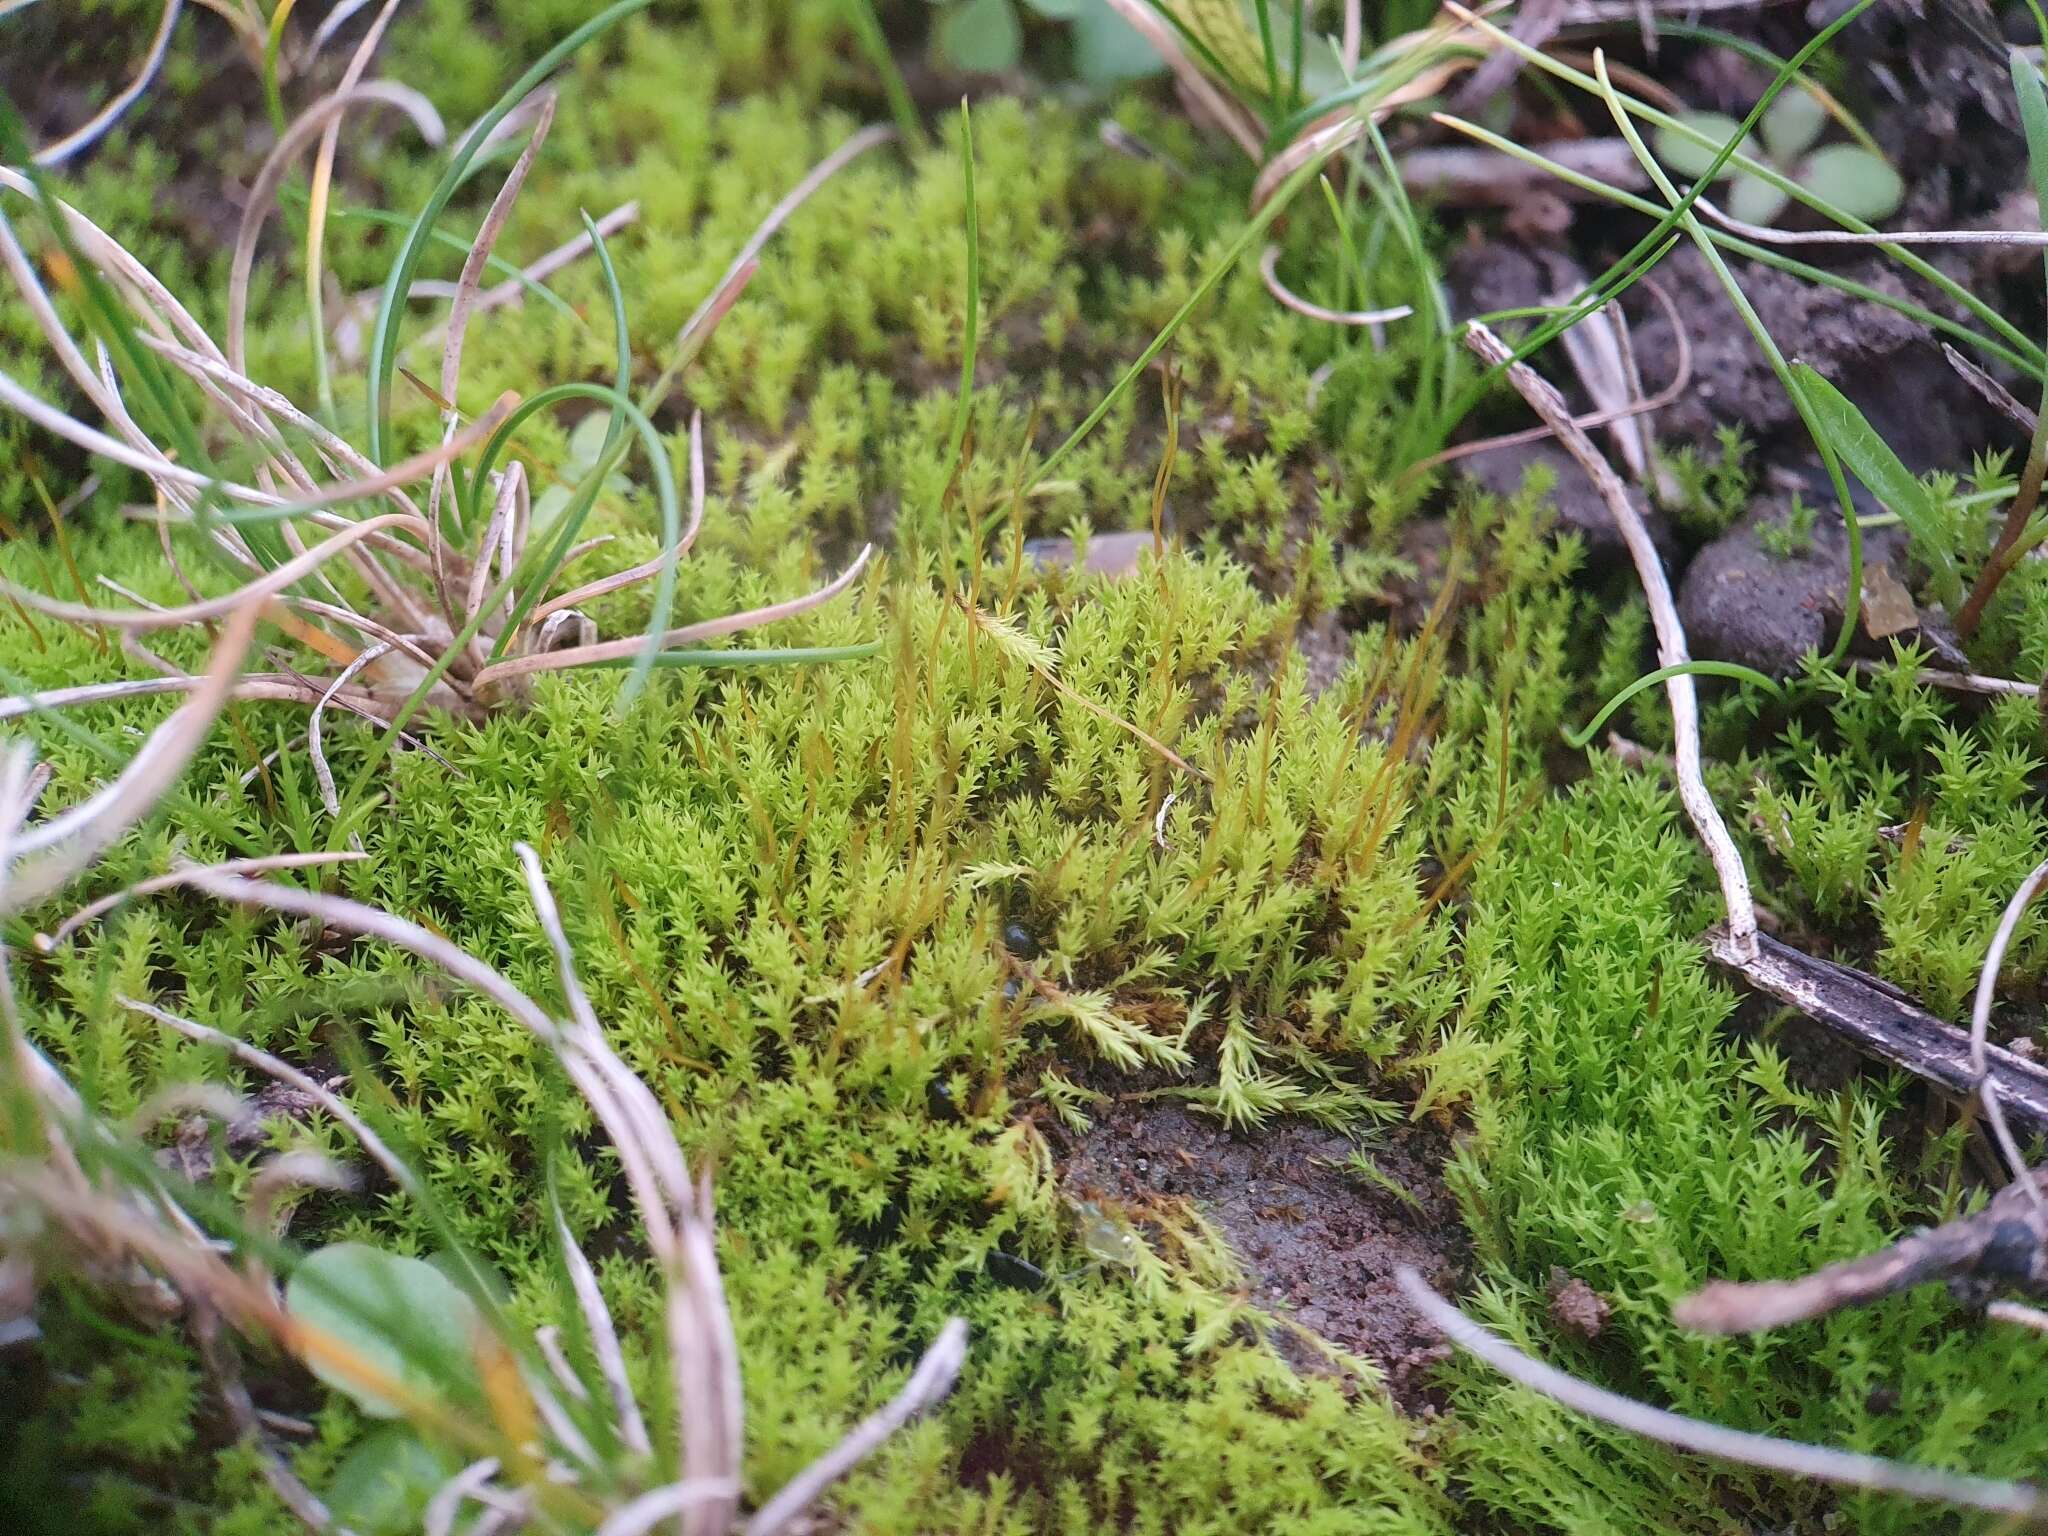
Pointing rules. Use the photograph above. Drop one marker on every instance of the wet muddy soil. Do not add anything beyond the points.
(1319, 1242)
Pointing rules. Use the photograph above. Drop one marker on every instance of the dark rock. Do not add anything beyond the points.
(1743, 602)
(1579, 507)
(1890, 366)
(1496, 275)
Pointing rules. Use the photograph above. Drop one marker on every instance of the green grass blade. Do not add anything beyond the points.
(1578, 740)
(1852, 597)
(1259, 223)
(391, 302)
(1872, 461)
(964, 408)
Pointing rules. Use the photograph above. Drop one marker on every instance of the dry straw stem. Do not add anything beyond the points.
(1269, 260)
(1818, 1463)
(1980, 1026)
(1671, 645)
(89, 132)
(1203, 94)
(1646, 405)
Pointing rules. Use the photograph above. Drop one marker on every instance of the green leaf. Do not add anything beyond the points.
(401, 1318)
(383, 1487)
(1755, 201)
(2026, 84)
(1871, 460)
(1792, 125)
(1108, 49)
(1061, 10)
(982, 37)
(1687, 157)
(1854, 180)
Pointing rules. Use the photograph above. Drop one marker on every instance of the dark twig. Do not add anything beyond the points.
(1888, 1024)
(2004, 1246)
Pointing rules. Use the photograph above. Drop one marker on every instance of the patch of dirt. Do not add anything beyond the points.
(1580, 509)
(1889, 365)
(1319, 1244)
(1746, 602)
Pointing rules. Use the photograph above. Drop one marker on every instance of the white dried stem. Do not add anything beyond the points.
(928, 1384)
(466, 293)
(513, 289)
(619, 650)
(1818, 1463)
(855, 146)
(438, 1519)
(641, 1515)
(321, 772)
(69, 842)
(276, 165)
(604, 1344)
(646, 568)
(46, 943)
(1269, 261)
(91, 130)
(273, 1067)
(1980, 1025)
(1671, 645)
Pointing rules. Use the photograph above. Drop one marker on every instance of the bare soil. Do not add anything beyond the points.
(1320, 1245)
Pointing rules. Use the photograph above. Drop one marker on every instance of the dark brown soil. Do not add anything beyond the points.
(1743, 602)
(1319, 1244)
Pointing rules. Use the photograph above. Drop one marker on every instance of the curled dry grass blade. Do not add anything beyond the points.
(1818, 1463)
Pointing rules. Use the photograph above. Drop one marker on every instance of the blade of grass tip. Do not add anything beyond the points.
(867, 31)
(963, 408)
(273, 44)
(1264, 11)
(1601, 288)
(1852, 595)
(1577, 740)
(383, 360)
(1234, 252)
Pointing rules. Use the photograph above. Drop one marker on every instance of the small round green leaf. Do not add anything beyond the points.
(383, 1487)
(1685, 157)
(1854, 181)
(1755, 201)
(981, 37)
(400, 1318)
(1792, 124)
(1108, 49)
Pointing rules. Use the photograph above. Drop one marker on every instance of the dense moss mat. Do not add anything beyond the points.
(1396, 896)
